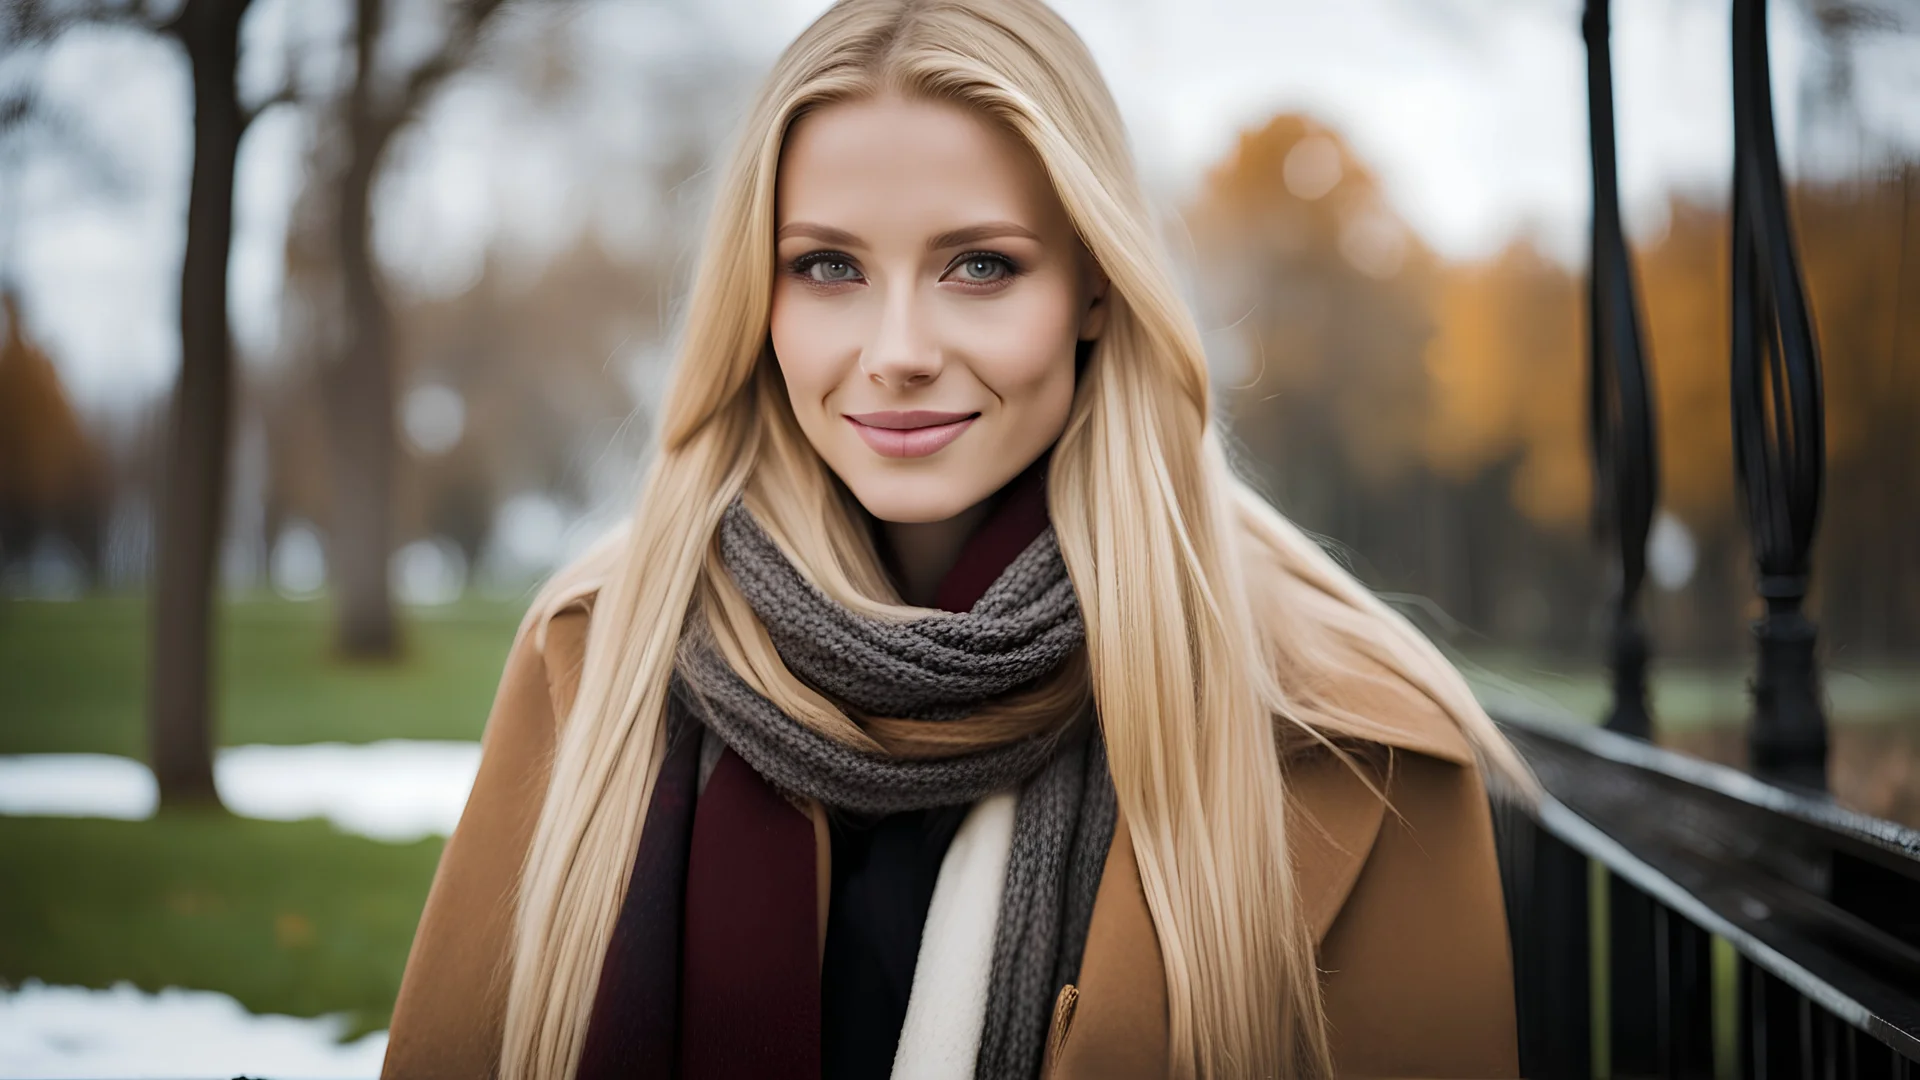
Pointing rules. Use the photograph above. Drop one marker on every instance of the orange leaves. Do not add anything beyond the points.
(1356, 339)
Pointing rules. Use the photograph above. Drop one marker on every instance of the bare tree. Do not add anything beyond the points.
(194, 459)
(193, 486)
(361, 384)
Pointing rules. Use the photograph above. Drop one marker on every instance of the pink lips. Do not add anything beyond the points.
(915, 433)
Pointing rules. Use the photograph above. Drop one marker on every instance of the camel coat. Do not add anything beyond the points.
(1404, 901)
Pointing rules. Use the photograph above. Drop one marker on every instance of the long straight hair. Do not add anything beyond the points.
(1202, 604)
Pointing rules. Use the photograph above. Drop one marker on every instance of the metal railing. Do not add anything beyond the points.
(1672, 917)
(1819, 909)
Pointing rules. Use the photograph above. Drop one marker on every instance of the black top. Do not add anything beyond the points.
(884, 870)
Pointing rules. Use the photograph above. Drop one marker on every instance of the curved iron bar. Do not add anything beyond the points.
(1778, 425)
(1620, 397)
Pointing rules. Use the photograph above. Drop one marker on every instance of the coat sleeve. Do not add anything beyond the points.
(448, 1018)
(1419, 980)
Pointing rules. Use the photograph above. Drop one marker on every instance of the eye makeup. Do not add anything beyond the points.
(803, 269)
(1010, 268)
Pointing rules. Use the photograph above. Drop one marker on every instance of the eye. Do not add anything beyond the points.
(984, 268)
(824, 268)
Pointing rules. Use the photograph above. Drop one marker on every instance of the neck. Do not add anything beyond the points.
(923, 551)
(950, 564)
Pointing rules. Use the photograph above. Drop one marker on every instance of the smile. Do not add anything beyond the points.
(910, 434)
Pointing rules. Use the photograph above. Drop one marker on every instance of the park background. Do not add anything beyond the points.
(460, 236)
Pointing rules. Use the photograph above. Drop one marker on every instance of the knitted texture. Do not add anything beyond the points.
(1062, 828)
(936, 667)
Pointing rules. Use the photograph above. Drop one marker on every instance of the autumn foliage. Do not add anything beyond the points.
(51, 474)
(1432, 415)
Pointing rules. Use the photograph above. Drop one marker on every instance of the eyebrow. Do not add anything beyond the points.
(952, 238)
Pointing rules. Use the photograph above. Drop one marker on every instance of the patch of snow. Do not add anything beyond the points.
(429, 572)
(76, 785)
(71, 1031)
(396, 790)
(298, 565)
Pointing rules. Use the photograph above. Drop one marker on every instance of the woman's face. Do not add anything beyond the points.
(928, 293)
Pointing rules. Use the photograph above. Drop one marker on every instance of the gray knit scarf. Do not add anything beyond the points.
(938, 667)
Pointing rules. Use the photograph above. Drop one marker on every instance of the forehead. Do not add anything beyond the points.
(891, 164)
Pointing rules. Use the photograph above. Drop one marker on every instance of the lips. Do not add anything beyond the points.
(910, 434)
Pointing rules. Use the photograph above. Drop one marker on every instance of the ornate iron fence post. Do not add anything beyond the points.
(1778, 425)
(1620, 399)
(1625, 489)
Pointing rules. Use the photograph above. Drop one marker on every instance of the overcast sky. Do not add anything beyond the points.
(1472, 113)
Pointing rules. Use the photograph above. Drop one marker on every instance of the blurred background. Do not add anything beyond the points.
(451, 238)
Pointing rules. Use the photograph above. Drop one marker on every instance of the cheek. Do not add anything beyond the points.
(804, 344)
(1025, 346)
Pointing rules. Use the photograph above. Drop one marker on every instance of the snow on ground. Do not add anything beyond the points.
(70, 1031)
(396, 790)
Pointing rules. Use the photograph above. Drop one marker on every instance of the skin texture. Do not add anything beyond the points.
(880, 304)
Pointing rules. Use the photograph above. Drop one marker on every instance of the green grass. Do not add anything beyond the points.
(1691, 697)
(73, 675)
(292, 918)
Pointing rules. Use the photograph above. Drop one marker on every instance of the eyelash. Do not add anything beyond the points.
(802, 266)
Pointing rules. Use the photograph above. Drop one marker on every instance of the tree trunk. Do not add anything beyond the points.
(193, 487)
(362, 392)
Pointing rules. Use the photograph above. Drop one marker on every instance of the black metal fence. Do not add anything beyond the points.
(1640, 858)
(1672, 917)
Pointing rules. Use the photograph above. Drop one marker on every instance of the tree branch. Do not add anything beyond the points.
(470, 21)
(40, 23)
(288, 94)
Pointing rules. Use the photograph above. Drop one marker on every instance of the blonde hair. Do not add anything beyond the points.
(1201, 603)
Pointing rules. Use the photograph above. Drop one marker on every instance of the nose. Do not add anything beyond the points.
(900, 353)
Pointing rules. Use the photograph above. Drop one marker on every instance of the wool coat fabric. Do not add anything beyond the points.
(1403, 898)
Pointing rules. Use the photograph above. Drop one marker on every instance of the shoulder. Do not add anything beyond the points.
(1397, 868)
(1348, 668)
(1355, 694)
(1351, 671)
(552, 638)
(565, 653)
(550, 648)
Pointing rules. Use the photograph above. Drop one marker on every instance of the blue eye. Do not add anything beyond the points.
(835, 270)
(824, 268)
(984, 268)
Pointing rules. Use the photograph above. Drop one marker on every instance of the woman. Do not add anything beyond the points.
(948, 707)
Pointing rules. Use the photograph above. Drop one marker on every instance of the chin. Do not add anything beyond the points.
(912, 497)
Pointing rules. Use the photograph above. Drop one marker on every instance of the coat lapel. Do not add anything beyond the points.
(1116, 1024)
(1336, 817)
(1119, 1013)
